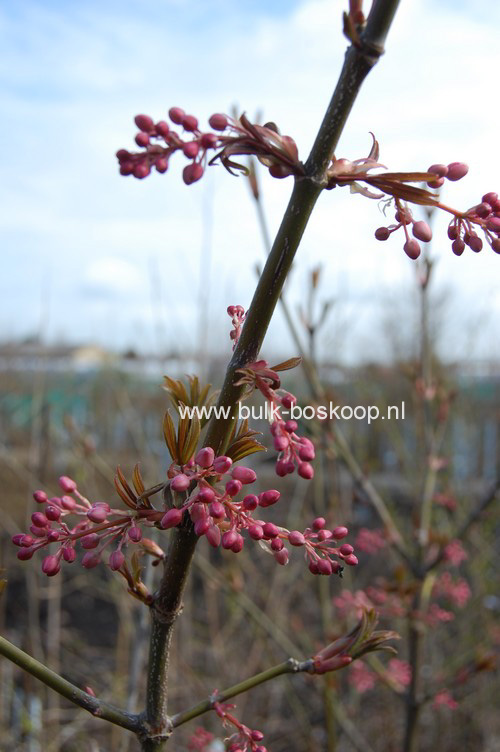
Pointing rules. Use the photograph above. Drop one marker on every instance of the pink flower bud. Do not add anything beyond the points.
(162, 128)
(67, 484)
(422, 231)
(144, 123)
(305, 470)
(233, 487)
(291, 426)
(52, 513)
(91, 560)
(324, 535)
(351, 560)
(90, 541)
(277, 544)
(40, 497)
(382, 233)
(141, 170)
(213, 536)
(456, 171)
(189, 123)
(280, 443)
(493, 224)
(490, 198)
(24, 554)
(69, 554)
(161, 164)
(270, 530)
(192, 173)
(412, 249)
(296, 538)
(172, 518)
(319, 523)
(201, 526)
(257, 736)
(238, 544)
(53, 535)
(482, 210)
(222, 464)
(229, 538)
(268, 498)
(180, 483)
(288, 401)
(332, 664)
(217, 510)
(495, 244)
(135, 534)
(256, 532)
(208, 141)
(205, 457)
(346, 549)
(307, 453)
(339, 532)
(244, 474)
(66, 502)
(218, 122)
(458, 247)
(176, 114)
(98, 512)
(18, 540)
(116, 560)
(250, 502)
(39, 520)
(324, 566)
(142, 139)
(51, 566)
(191, 149)
(281, 557)
(440, 170)
(475, 243)
(38, 532)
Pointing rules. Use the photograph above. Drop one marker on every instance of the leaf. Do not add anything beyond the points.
(286, 365)
(125, 485)
(137, 480)
(191, 441)
(169, 434)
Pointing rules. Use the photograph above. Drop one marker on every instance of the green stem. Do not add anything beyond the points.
(71, 692)
(291, 666)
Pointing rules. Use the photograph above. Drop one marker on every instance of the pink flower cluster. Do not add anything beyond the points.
(238, 316)
(486, 215)
(99, 529)
(243, 739)
(370, 541)
(404, 219)
(234, 137)
(444, 699)
(212, 485)
(397, 673)
(456, 591)
(454, 553)
(295, 452)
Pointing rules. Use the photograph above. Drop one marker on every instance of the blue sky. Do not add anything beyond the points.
(90, 256)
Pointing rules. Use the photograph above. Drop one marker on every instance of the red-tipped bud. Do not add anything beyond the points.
(270, 530)
(180, 483)
(67, 502)
(324, 566)
(233, 487)
(51, 566)
(339, 532)
(291, 426)
(222, 464)
(456, 171)
(490, 198)
(19, 538)
(307, 453)
(332, 664)
(67, 484)
(135, 534)
(440, 170)
(250, 502)
(208, 141)
(256, 532)
(161, 164)
(162, 128)
(176, 115)
(192, 173)
(98, 512)
(116, 560)
(288, 401)
(282, 557)
(190, 123)
(39, 520)
(206, 495)
(238, 544)
(217, 510)
(268, 498)
(382, 233)
(493, 224)
(144, 123)
(52, 513)
(458, 247)
(495, 244)
(422, 231)
(296, 538)
(305, 470)
(229, 539)
(346, 549)
(475, 243)
(90, 541)
(40, 497)
(351, 560)
(213, 536)
(172, 518)
(277, 544)
(69, 554)
(191, 149)
(280, 443)
(319, 523)
(91, 560)
(142, 139)
(218, 121)
(412, 249)
(201, 526)
(244, 474)
(24, 554)
(141, 170)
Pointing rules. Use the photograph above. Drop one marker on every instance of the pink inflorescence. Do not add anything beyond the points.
(99, 529)
(221, 510)
(243, 739)
(233, 137)
(294, 451)
(238, 316)
(404, 219)
(486, 216)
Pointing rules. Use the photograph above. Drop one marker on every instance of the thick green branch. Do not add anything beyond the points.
(74, 694)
